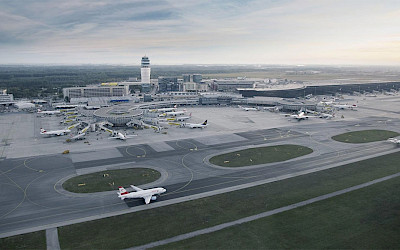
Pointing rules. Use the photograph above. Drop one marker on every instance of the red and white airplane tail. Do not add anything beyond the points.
(42, 130)
(122, 191)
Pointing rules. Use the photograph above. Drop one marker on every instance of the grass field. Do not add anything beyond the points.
(364, 219)
(160, 223)
(35, 240)
(260, 155)
(365, 136)
(110, 180)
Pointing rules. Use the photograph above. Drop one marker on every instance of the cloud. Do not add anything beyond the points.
(191, 31)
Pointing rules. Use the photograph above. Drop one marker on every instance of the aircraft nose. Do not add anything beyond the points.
(164, 190)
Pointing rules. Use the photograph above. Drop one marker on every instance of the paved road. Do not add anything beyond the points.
(30, 194)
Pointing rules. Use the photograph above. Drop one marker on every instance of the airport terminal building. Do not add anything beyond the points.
(103, 90)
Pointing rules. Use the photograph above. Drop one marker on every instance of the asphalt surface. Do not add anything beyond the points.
(31, 193)
(32, 168)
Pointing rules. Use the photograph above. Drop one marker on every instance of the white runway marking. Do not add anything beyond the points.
(160, 146)
(97, 155)
(220, 139)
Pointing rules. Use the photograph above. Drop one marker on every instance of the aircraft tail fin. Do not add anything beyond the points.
(122, 191)
(42, 130)
(204, 123)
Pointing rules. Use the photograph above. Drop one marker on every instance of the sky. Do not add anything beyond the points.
(171, 32)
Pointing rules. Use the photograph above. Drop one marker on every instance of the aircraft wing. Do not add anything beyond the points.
(137, 189)
(147, 199)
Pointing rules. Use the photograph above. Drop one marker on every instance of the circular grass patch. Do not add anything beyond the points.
(110, 180)
(260, 155)
(365, 136)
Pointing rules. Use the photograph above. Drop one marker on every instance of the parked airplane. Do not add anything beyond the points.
(326, 116)
(164, 110)
(121, 136)
(345, 106)
(175, 113)
(394, 140)
(147, 195)
(194, 125)
(179, 118)
(54, 132)
(302, 116)
(58, 132)
(81, 134)
(272, 109)
(248, 109)
(48, 112)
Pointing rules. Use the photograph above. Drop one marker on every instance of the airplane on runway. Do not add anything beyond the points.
(148, 194)
(54, 132)
(194, 125)
(248, 109)
(394, 140)
(48, 112)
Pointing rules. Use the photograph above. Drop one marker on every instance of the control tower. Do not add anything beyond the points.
(145, 70)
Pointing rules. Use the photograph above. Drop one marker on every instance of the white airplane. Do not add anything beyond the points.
(81, 134)
(248, 109)
(176, 113)
(194, 125)
(54, 132)
(54, 112)
(121, 136)
(147, 195)
(389, 93)
(394, 140)
(164, 110)
(178, 119)
(326, 115)
(58, 132)
(345, 106)
(272, 109)
(156, 128)
(302, 116)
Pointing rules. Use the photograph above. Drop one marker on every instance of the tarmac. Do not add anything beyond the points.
(33, 168)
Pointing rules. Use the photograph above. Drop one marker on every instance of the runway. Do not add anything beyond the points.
(31, 193)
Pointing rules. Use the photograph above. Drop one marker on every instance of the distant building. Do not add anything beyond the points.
(197, 78)
(195, 87)
(231, 85)
(192, 78)
(96, 91)
(168, 84)
(186, 78)
(4, 97)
